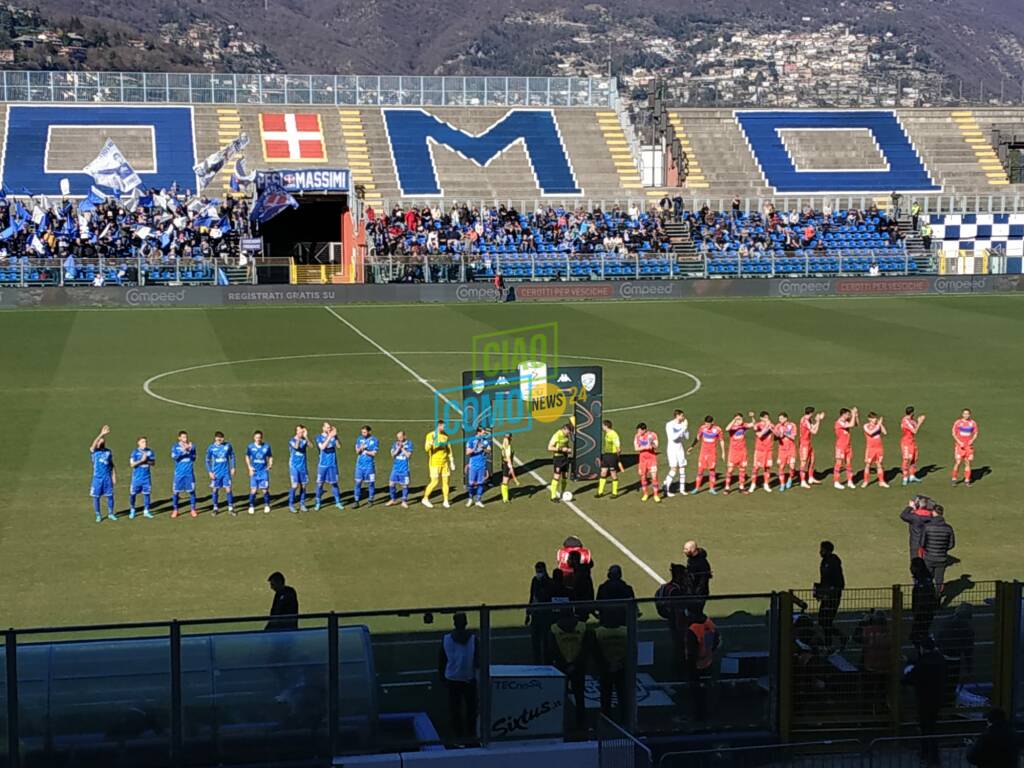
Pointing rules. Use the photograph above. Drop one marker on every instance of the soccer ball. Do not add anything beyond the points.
(567, 496)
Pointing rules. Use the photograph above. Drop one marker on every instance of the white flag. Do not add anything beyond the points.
(65, 187)
(143, 232)
(110, 169)
(37, 245)
(210, 167)
(37, 215)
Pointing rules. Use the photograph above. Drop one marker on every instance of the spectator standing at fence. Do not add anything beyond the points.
(996, 747)
(457, 664)
(285, 605)
(611, 648)
(872, 635)
(927, 676)
(673, 611)
(924, 602)
(539, 620)
(614, 588)
(829, 590)
(955, 637)
(937, 541)
(499, 285)
(569, 647)
(926, 235)
(698, 572)
(700, 643)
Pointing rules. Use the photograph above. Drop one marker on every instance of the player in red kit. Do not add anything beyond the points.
(809, 424)
(909, 425)
(764, 439)
(844, 447)
(737, 431)
(965, 432)
(645, 441)
(709, 435)
(785, 432)
(874, 452)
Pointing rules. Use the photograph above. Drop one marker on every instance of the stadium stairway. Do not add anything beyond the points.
(956, 147)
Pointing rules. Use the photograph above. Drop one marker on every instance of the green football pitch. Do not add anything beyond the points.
(65, 373)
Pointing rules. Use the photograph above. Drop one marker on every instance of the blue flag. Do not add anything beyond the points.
(272, 200)
(224, 225)
(15, 227)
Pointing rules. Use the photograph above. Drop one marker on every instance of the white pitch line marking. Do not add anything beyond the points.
(147, 385)
(571, 505)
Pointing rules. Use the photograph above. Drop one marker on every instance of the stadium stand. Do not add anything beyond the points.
(159, 235)
(950, 152)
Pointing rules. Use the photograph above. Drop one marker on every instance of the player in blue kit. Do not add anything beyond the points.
(298, 469)
(327, 468)
(220, 465)
(260, 460)
(183, 454)
(366, 464)
(478, 449)
(103, 475)
(141, 461)
(401, 450)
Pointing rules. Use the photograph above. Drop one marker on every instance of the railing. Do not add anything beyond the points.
(950, 751)
(128, 270)
(931, 203)
(348, 90)
(660, 265)
(201, 692)
(215, 691)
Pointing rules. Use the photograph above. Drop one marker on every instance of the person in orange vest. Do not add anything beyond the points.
(700, 642)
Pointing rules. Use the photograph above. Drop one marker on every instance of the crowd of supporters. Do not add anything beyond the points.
(771, 232)
(159, 227)
(471, 230)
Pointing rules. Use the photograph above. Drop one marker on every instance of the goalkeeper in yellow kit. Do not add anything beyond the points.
(440, 463)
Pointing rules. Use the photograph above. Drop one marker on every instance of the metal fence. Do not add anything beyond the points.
(950, 751)
(930, 203)
(617, 748)
(224, 691)
(647, 265)
(849, 652)
(344, 90)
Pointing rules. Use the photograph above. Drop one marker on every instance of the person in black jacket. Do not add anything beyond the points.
(927, 676)
(539, 621)
(614, 589)
(829, 590)
(924, 602)
(698, 571)
(937, 541)
(286, 604)
(917, 514)
(996, 747)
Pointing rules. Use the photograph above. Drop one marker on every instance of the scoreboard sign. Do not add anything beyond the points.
(520, 401)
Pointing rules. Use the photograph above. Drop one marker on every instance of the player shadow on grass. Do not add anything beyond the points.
(953, 589)
(980, 473)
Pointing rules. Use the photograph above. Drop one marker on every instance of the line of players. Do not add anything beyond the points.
(780, 438)
(220, 464)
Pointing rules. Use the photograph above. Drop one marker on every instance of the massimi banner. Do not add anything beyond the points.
(626, 290)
